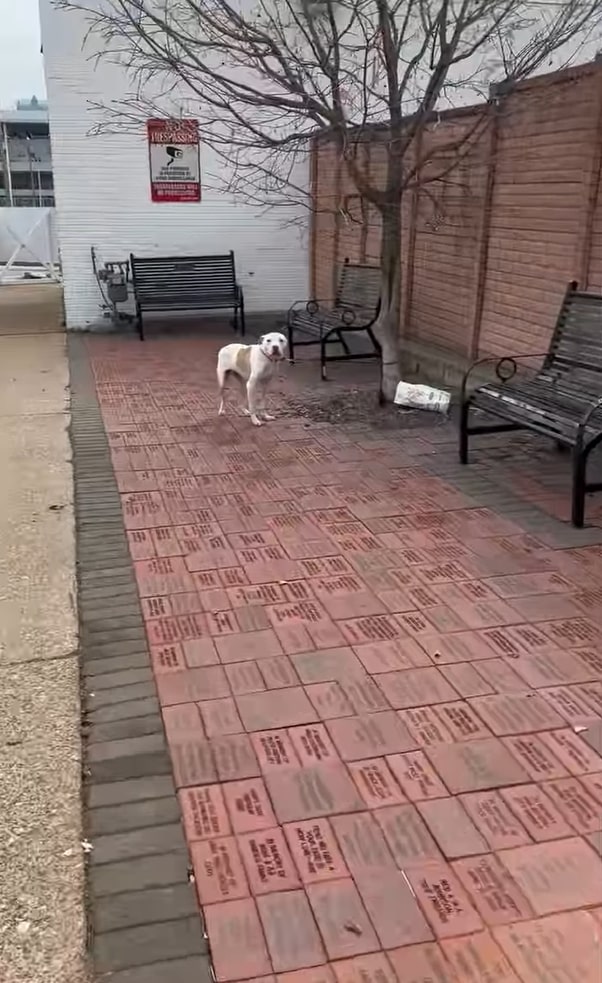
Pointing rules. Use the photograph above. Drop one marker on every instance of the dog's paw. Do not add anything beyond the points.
(268, 417)
(245, 411)
(256, 421)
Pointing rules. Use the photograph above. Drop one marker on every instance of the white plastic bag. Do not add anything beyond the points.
(422, 397)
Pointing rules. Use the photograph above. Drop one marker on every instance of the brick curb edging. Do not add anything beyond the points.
(144, 921)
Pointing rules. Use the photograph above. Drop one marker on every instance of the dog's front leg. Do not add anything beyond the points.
(266, 416)
(252, 401)
(261, 400)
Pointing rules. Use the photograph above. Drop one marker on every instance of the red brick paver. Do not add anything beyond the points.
(383, 704)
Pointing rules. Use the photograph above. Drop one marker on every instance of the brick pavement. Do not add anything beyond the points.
(382, 703)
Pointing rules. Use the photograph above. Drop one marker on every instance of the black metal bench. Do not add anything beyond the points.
(186, 283)
(354, 309)
(562, 399)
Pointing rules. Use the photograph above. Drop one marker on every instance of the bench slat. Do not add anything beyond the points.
(184, 277)
(359, 287)
(565, 411)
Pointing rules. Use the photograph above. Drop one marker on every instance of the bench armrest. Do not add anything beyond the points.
(505, 367)
(311, 306)
(596, 404)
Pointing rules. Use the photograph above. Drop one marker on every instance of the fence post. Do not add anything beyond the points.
(482, 251)
(48, 228)
(6, 165)
(590, 193)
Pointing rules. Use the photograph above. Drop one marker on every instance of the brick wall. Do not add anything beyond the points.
(488, 252)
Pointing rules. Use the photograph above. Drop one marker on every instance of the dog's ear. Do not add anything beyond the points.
(261, 340)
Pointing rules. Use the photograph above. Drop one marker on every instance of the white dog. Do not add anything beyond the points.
(252, 366)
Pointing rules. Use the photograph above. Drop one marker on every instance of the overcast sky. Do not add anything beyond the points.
(21, 72)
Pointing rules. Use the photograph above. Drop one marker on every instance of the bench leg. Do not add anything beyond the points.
(578, 503)
(243, 326)
(344, 344)
(375, 343)
(463, 444)
(291, 344)
(323, 358)
(139, 324)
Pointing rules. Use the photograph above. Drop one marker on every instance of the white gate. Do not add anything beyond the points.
(27, 237)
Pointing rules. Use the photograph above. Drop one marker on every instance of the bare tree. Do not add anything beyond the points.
(266, 78)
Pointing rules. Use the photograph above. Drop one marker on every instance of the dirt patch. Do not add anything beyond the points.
(355, 406)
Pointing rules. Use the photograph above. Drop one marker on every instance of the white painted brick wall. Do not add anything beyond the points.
(103, 195)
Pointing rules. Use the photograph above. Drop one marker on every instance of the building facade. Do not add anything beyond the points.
(25, 159)
(104, 197)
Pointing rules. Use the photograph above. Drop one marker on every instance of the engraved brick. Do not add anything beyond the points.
(370, 736)
(443, 900)
(238, 947)
(516, 713)
(477, 959)
(315, 850)
(573, 752)
(218, 870)
(535, 757)
(267, 861)
(275, 708)
(204, 812)
(248, 805)
(566, 946)
(274, 749)
(493, 892)
(495, 820)
(575, 803)
(537, 812)
(342, 919)
(312, 744)
(472, 766)
(376, 783)
(307, 793)
(415, 687)
(290, 931)
(329, 700)
(556, 876)
(407, 836)
(416, 776)
(451, 827)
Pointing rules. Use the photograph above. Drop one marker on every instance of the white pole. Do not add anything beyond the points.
(50, 245)
(30, 157)
(9, 180)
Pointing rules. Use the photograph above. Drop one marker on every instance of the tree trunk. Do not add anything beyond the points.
(387, 325)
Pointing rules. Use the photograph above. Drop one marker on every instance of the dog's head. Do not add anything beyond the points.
(273, 346)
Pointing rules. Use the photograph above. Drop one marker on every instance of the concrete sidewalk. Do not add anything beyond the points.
(41, 865)
(31, 307)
